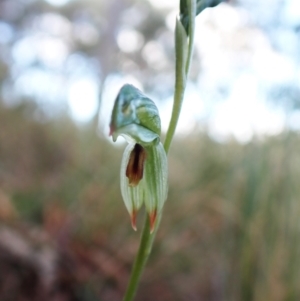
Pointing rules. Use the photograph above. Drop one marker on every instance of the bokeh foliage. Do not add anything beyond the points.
(230, 229)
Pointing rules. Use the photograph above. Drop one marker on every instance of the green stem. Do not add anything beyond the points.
(183, 58)
(141, 257)
(183, 61)
(192, 18)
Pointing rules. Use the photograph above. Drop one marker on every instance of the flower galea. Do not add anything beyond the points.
(144, 167)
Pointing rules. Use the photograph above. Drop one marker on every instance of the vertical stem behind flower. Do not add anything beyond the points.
(183, 55)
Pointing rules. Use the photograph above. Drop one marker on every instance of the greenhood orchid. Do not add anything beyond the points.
(144, 169)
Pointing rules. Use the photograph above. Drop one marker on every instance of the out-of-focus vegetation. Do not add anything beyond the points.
(230, 229)
(46, 49)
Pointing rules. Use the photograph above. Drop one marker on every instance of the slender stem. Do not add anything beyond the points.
(192, 18)
(183, 61)
(141, 257)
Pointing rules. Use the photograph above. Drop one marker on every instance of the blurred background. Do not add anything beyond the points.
(231, 225)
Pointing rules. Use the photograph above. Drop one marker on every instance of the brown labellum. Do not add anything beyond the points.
(135, 166)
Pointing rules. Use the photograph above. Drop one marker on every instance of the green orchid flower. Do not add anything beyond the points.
(144, 168)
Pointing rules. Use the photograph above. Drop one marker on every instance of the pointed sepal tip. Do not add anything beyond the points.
(152, 218)
(133, 220)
